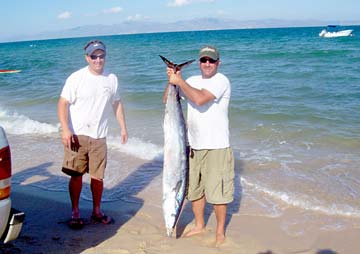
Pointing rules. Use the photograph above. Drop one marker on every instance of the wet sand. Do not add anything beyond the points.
(139, 228)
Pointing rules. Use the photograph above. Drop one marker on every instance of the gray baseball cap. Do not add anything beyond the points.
(209, 51)
(94, 45)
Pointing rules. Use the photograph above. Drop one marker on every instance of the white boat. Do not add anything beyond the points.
(335, 31)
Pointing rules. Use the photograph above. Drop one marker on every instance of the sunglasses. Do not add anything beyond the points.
(94, 57)
(205, 59)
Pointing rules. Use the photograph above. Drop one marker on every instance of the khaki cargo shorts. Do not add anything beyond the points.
(87, 155)
(211, 174)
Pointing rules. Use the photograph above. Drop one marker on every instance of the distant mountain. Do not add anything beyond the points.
(133, 27)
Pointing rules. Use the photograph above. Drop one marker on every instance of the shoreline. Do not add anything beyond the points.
(139, 228)
(40, 190)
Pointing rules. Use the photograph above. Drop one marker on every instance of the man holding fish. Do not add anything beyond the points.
(211, 162)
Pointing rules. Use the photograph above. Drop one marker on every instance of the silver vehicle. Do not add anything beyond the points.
(11, 220)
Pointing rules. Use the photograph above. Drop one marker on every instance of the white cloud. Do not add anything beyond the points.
(179, 3)
(221, 13)
(64, 15)
(136, 17)
(113, 10)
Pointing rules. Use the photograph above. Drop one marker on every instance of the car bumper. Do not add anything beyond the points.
(5, 207)
(11, 221)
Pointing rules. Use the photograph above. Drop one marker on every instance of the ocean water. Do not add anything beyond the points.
(294, 116)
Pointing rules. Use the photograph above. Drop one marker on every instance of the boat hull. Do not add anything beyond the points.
(343, 33)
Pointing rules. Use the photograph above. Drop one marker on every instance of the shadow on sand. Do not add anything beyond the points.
(45, 229)
(46, 216)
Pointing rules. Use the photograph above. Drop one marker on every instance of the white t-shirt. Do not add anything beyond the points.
(208, 125)
(90, 97)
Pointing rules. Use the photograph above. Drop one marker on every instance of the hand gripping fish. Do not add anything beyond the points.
(176, 164)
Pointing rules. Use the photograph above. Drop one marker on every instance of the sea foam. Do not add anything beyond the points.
(18, 124)
(304, 202)
(137, 148)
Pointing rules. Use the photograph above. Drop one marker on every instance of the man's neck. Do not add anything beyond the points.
(96, 72)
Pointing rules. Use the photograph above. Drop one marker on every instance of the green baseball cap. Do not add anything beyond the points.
(209, 51)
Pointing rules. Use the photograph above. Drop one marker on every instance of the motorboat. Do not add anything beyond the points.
(332, 31)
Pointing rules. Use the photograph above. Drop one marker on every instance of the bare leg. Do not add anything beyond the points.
(97, 187)
(75, 186)
(220, 213)
(198, 207)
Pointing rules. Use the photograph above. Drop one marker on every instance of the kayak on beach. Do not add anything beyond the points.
(9, 71)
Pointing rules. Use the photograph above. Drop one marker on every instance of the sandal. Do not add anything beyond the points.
(76, 223)
(104, 219)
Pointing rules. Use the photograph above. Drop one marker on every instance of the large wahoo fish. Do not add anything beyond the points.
(176, 164)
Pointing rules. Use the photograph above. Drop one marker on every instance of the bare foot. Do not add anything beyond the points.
(194, 231)
(220, 239)
(75, 214)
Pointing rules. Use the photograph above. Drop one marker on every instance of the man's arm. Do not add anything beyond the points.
(63, 115)
(120, 117)
(199, 97)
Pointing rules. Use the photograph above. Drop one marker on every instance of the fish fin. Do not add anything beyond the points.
(177, 187)
(185, 64)
(167, 62)
(175, 67)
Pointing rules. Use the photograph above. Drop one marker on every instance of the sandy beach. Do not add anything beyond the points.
(139, 228)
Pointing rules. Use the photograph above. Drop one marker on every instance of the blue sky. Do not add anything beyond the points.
(31, 17)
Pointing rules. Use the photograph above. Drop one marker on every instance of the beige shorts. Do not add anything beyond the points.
(87, 155)
(211, 174)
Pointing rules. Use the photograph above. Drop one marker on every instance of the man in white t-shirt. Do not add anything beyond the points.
(89, 97)
(211, 174)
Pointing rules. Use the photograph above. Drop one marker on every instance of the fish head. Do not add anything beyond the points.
(170, 209)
